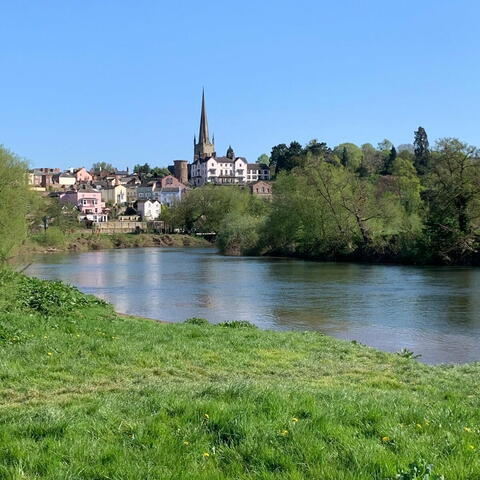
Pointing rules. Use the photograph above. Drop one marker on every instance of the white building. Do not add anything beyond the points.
(149, 209)
(208, 168)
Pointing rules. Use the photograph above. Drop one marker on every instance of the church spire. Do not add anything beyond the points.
(203, 134)
(204, 148)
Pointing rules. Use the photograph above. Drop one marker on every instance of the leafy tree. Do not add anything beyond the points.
(263, 159)
(102, 167)
(372, 161)
(159, 172)
(421, 151)
(286, 158)
(453, 197)
(389, 161)
(142, 169)
(15, 198)
(350, 155)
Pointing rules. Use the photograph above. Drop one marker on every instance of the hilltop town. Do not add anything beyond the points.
(102, 195)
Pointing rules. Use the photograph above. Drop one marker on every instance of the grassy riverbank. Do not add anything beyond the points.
(87, 394)
(84, 240)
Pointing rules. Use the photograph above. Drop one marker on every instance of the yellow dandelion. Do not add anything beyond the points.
(471, 447)
(295, 419)
(206, 415)
(385, 439)
(186, 443)
(49, 353)
(78, 335)
(206, 454)
(467, 429)
(284, 433)
(419, 425)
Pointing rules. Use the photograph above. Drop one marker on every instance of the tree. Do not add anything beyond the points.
(14, 200)
(421, 151)
(318, 149)
(263, 159)
(286, 158)
(453, 197)
(350, 155)
(389, 162)
(159, 172)
(102, 167)
(142, 169)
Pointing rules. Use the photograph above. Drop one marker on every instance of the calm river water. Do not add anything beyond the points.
(434, 311)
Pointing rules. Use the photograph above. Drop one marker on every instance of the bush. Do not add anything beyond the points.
(49, 298)
(237, 324)
(52, 237)
(196, 321)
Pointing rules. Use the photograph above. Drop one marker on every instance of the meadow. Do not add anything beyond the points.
(86, 393)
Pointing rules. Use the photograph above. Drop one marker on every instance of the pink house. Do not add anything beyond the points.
(81, 175)
(89, 203)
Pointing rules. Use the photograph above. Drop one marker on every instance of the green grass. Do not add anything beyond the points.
(88, 394)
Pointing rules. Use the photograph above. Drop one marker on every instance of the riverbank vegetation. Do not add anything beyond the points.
(86, 393)
(412, 205)
(81, 240)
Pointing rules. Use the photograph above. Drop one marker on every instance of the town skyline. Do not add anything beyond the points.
(114, 88)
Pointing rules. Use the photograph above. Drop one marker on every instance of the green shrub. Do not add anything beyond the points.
(237, 324)
(197, 321)
(52, 237)
(51, 297)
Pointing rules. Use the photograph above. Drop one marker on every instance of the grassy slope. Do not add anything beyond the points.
(87, 394)
(84, 240)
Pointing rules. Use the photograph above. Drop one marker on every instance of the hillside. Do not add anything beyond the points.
(88, 394)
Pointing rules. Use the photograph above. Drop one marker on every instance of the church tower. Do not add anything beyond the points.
(204, 148)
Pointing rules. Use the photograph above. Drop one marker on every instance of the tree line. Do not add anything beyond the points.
(413, 203)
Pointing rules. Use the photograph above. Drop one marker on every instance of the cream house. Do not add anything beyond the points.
(116, 195)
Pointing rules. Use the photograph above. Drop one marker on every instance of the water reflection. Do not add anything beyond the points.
(432, 311)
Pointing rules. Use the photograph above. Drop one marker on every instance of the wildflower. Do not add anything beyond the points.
(49, 353)
(206, 416)
(206, 454)
(186, 443)
(471, 447)
(419, 425)
(467, 429)
(385, 439)
(283, 433)
(295, 419)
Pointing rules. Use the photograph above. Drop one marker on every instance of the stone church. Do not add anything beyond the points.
(230, 169)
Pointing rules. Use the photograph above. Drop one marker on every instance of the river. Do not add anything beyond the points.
(433, 311)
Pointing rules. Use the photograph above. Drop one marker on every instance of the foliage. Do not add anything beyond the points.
(237, 324)
(49, 298)
(350, 155)
(98, 167)
(197, 321)
(145, 169)
(263, 159)
(239, 233)
(14, 201)
(406, 353)
(421, 151)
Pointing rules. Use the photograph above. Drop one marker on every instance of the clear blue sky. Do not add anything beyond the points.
(120, 81)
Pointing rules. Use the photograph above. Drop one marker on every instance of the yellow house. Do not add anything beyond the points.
(116, 195)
